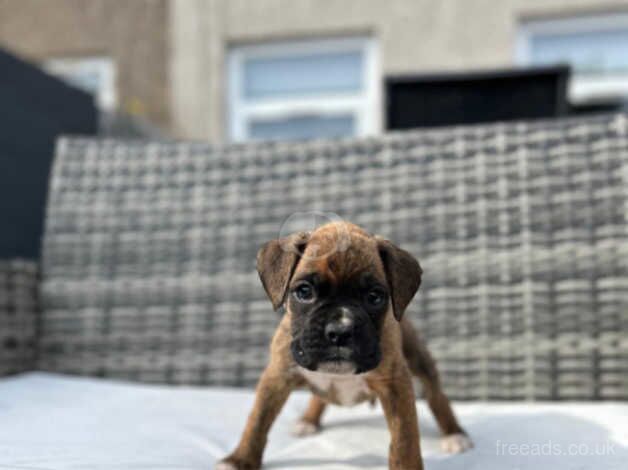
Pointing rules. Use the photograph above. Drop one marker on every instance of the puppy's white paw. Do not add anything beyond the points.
(304, 428)
(455, 443)
(225, 466)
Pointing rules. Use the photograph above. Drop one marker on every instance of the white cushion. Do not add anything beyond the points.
(56, 422)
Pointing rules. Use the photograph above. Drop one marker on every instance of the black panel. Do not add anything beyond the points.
(35, 109)
(440, 100)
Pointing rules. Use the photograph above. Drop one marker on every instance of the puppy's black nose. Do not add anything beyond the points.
(339, 332)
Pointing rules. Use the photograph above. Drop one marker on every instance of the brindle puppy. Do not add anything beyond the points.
(344, 337)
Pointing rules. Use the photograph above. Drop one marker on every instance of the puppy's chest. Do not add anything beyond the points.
(338, 389)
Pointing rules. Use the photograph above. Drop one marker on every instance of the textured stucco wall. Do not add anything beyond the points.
(133, 33)
(414, 36)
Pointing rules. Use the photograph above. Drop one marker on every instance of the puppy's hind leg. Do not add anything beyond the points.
(422, 365)
(310, 422)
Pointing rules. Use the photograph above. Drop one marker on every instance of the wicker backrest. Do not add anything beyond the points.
(18, 315)
(522, 231)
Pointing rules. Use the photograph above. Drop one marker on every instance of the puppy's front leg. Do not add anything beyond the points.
(272, 392)
(396, 395)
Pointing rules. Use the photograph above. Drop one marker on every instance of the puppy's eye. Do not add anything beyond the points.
(375, 297)
(304, 292)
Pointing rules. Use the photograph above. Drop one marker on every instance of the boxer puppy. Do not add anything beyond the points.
(344, 337)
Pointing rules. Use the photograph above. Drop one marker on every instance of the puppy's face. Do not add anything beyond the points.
(337, 306)
(338, 287)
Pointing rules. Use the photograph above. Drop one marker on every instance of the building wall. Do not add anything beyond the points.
(414, 35)
(132, 33)
(170, 55)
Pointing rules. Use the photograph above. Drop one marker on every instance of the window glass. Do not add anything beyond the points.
(302, 127)
(589, 53)
(303, 75)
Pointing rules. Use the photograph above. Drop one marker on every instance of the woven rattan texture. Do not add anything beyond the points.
(18, 315)
(522, 231)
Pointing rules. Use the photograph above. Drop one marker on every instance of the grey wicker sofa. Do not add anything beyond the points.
(522, 230)
(148, 276)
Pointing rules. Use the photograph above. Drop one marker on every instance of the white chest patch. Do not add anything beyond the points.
(344, 389)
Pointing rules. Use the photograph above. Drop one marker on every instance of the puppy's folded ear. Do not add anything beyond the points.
(276, 261)
(403, 273)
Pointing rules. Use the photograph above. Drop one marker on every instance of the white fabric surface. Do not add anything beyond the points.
(57, 422)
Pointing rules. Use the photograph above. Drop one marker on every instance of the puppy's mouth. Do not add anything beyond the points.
(338, 360)
(334, 360)
(340, 366)
(338, 354)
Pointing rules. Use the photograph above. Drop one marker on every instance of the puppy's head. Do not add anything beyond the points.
(338, 283)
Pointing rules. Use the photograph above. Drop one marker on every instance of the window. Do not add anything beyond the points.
(304, 90)
(94, 75)
(594, 46)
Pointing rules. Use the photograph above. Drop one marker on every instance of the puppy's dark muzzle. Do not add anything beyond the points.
(338, 334)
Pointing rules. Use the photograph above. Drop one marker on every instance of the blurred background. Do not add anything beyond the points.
(202, 69)
(521, 227)
(234, 70)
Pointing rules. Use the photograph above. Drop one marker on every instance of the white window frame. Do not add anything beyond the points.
(106, 97)
(365, 105)
(581, 89)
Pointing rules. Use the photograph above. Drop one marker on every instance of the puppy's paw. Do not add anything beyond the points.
(304, 428)
(455, 443)
(234, 463)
